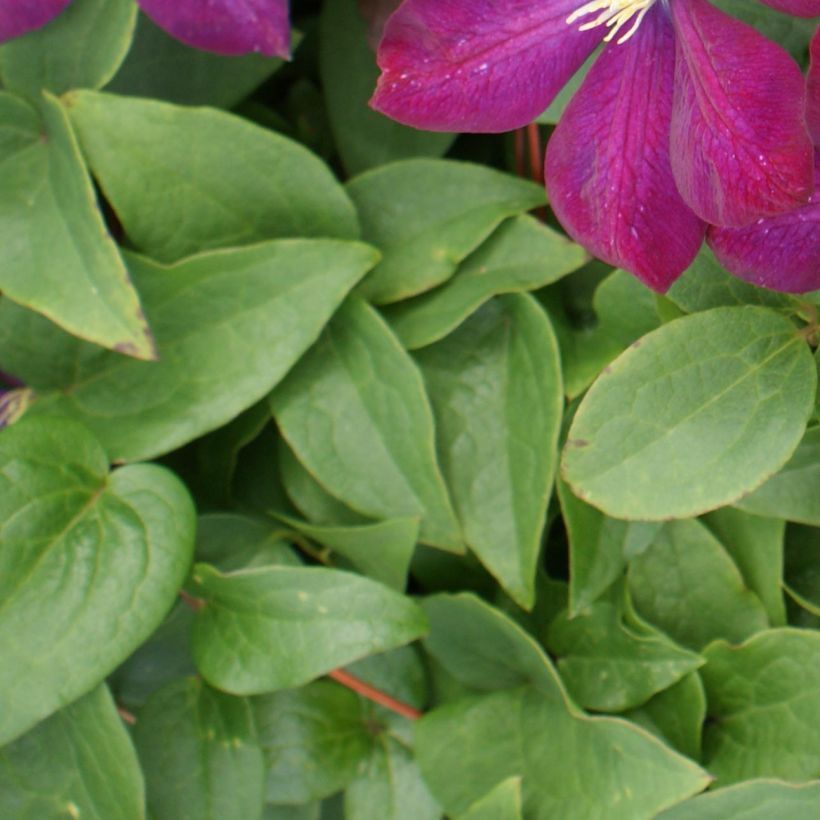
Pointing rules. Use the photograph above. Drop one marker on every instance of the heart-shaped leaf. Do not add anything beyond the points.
(89, 564)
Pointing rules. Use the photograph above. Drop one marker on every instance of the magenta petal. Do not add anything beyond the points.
(740, 149)
(18, 17)
(477, 65)
(813, 90)
(608, 172)
(797, 8)
(225, 26)
(781, 253)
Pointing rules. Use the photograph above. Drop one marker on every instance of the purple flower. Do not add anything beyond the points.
(687, 117)
(781, 252)
(223, 26)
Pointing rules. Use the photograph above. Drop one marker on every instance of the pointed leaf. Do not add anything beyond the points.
(185, 180)
(279, 627)
(502, 802)
(687, 585)
(495, 386)
(107, 552)
(355, 413)
(49, 212)
(426, 216)
(229, 325)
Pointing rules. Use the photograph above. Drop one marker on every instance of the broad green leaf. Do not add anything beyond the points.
(107, 554)
(427, 216)
(278, 627)
(756, 546)
(48, 212)
(599, 547)
(802, 566)
(752, 800)
(523, 254)
(610, 660)
(485, 650)
(306, 811)
(794, 492)
(625, 309)
(764, 705)
(686, 584)
(159, 66)
(364, 137)
(184, 180)
(355, 413)
(381, 550)
(502, 802)
(256, 484)
(601, 767)
(705, 284)
(495, 386)
(699, 413)
(200, 754)
(676, 715)
(310, 497)
(232, 541)
(79, 763)
(314, 741)
(229, 325)
(164, 657)
(81, 48)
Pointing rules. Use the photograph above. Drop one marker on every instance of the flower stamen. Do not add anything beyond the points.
(615, 14)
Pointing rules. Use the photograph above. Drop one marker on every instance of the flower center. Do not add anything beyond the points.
(615, 14)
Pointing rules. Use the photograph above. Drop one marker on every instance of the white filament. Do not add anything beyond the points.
(615, 14)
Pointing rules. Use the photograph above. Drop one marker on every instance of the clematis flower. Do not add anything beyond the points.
(687, 117)
(781, 252)
(222, 26)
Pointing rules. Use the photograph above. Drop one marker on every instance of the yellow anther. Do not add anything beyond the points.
(615, 14)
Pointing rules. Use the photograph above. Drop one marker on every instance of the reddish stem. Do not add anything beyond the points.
(376, 695)
(194, 603)
(126, 716)
(536, 160)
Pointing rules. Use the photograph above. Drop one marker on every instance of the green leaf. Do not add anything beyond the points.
(278, 811)
(701, 412)
(523, 254)
(79, 763)
(687, 585)
(676, 715)
(200, 755)
(495, 386)
(600, 767)
(599, 547)
(159, 66)
(381, 550)
(310, 497)
(48, 212)
(483, 649)
(314, 741)
(81, 48)
(364, 138)
(184, 180)
(355, 413)
(232, 541)
(794, 492)
(427, 216)
(756, 546)
(764, 702)
(229, 325)
(705, 284)
(612, 661)
(753, 800)
(279, 627)
(502, 802)
(89, 564)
